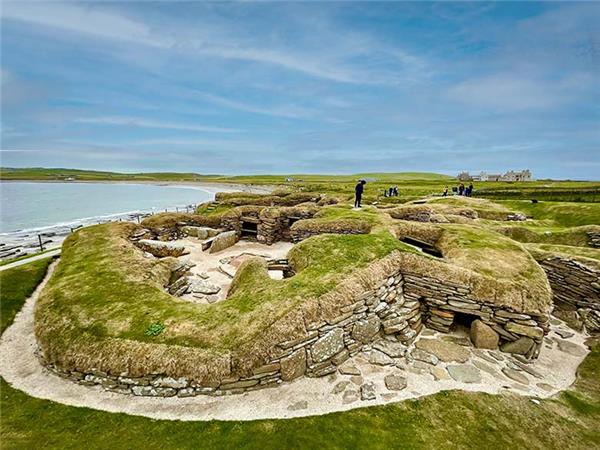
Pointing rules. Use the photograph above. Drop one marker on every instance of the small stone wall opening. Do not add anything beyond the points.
(293, 220)
(279, 269)
(462, 322)
(249, 229)
(425, 247)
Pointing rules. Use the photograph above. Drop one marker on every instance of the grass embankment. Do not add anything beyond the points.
(447, 419)
(558, 214)
(590, 256)
(491, 254)
(16, 285)
(105, 294)
(485, 209)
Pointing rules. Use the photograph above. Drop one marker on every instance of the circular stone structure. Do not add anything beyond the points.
(117, 316)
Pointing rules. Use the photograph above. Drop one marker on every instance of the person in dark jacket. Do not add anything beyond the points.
(358, 191)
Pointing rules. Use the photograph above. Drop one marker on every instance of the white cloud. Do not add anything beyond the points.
(148, 123)
(85, 19)
(223, 41)
(289, 111)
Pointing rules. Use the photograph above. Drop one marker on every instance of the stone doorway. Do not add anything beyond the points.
(249, 229)
(462, 322)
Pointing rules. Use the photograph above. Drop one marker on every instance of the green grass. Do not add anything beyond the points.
(563, 214)
(445, 420)
(347, 213)
(16, 285)
(44, 174)
(94, 296)
(568, 250)
(217, 210)
(575, 236)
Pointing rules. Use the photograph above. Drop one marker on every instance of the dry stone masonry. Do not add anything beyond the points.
(576, 288)
(384, 320)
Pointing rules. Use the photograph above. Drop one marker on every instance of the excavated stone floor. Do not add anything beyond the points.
(219, 268)
(379, 375)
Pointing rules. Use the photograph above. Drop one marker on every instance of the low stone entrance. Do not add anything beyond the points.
(462, 322)
(249, 228)
(425, 247)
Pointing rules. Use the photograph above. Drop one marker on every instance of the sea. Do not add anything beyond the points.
(52, 210)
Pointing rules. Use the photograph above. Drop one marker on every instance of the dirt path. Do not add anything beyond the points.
(554, 371)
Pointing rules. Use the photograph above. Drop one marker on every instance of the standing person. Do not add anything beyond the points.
(461, 189)
(385, 192)
(470, 188)
(358, 191)
(395, 191)
(391, 192)
(445, 194)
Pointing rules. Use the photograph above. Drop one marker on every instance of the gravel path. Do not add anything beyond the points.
(28, 260)
(403, 378)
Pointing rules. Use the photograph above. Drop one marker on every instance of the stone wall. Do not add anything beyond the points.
(575, 287)
(441, 300)
(594, 238)
(275, 223)
(388, 316)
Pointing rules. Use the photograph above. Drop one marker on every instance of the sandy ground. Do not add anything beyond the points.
(555, 368)
(217, 266)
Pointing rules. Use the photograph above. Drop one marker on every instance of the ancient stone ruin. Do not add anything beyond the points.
(382, 305)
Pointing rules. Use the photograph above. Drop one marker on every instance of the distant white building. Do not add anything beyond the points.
(511, 175)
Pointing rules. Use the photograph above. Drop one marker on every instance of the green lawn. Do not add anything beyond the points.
(16, 285)
(560, 214)
(446, 420)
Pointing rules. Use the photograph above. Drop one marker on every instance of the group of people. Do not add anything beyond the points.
(460, 190)
(392, 191)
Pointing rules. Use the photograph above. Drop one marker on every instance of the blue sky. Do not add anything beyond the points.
(302, 87)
